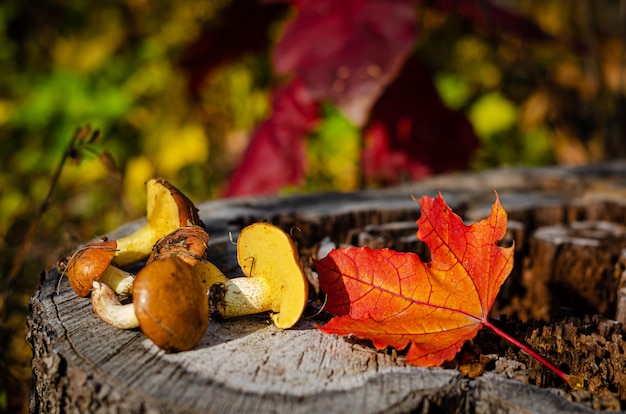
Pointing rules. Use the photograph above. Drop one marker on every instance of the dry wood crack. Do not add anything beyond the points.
(80, 364)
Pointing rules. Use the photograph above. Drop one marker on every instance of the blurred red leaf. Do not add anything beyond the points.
(412, 133)
(347, 51)
(352, 53)
(276, 154)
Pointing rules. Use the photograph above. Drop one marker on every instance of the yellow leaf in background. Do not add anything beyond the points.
(10, 204)
(474, 56)
(138, 171)
(179, 147)
(333, 154)
(88, 170)
(453, 90)
(7, 108)
(492, 114)
(90, 49)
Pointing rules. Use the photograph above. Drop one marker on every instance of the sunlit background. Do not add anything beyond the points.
(178, 88)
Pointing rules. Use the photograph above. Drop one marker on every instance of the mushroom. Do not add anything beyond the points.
(167, 209)
(92, 263)
(108, 307)
(169, 293)
(170, 303)
(274, 278)
(189, 243)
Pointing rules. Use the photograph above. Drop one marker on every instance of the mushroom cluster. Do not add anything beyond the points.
(178, 289)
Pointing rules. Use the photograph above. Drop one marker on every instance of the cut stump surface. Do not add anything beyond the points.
(80, 364)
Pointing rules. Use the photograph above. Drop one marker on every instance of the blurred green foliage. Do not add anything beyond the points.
(333, 153)
(113, 65)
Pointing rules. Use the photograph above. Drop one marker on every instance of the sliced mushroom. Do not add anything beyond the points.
(274, 279)
(167, 209)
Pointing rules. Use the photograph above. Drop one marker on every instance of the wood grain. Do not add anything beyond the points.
(81, 364)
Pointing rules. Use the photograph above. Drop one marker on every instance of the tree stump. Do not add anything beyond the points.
(576, 263)
(80, 364)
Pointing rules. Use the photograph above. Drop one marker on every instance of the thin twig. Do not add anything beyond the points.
(29, 238)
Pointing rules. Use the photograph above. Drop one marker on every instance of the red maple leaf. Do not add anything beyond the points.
(394, 299)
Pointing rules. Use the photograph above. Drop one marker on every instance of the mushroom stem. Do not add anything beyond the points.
(136, 246)
(240, 296)
(274, 278)
(208, 274)
(119, 280)
(107, 306)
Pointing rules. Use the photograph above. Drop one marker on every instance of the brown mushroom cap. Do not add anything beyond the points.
(88, 263)
(171, 304)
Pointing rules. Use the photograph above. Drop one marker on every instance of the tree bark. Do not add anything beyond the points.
(80, 364)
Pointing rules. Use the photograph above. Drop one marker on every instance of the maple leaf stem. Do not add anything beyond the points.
(573, 381)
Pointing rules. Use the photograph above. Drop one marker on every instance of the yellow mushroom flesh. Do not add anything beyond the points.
(275, 280)
(208, 274)
(167, 209)
(119, 280)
